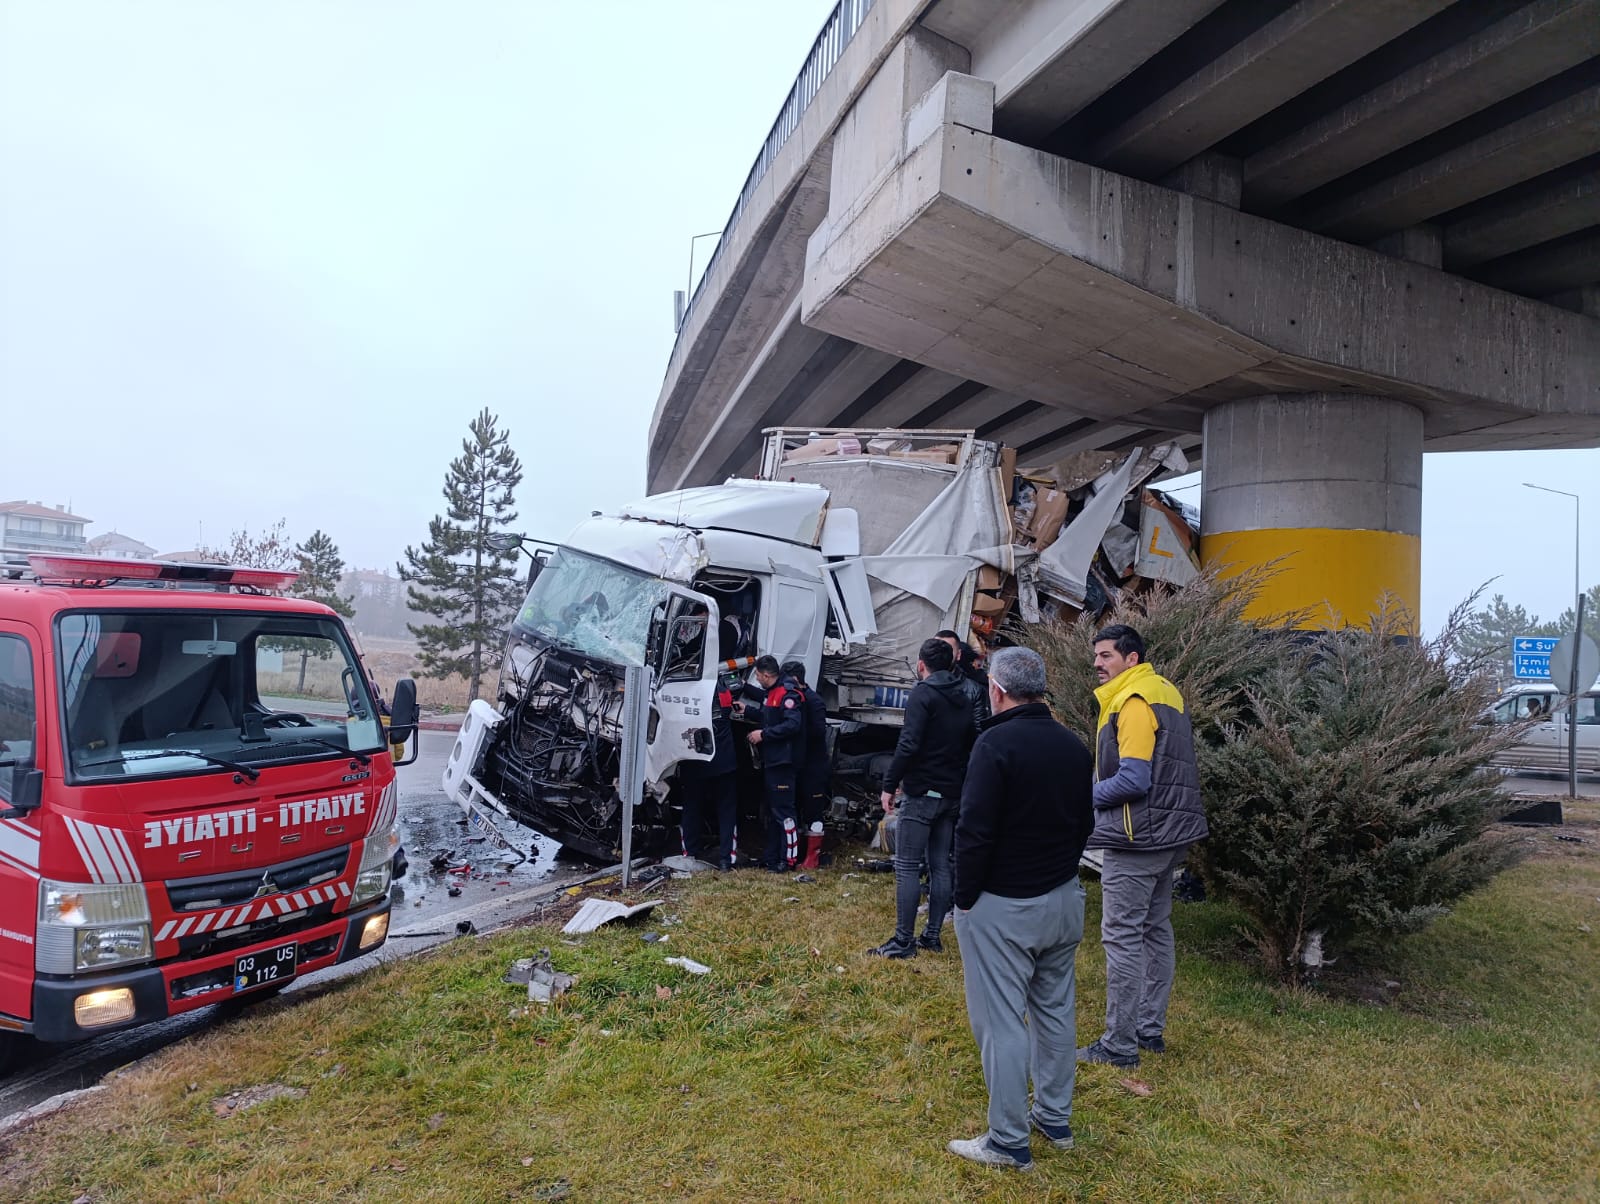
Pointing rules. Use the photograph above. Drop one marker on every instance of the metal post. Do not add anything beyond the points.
(630, 780)
(1572, 702)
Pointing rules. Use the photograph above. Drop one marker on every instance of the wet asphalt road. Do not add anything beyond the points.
(424, 914)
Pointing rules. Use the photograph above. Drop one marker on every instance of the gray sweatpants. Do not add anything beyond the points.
(1017, 959)
(1136, 929)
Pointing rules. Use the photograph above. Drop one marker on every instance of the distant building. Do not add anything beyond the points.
(32, 527)
(123, 547)
(192, 556)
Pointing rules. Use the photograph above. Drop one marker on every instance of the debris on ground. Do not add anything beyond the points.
(688, 865)
(596, 912)
(1136, 1086)
(804, 878)
(439, 862)
(544, 981)
(237, 1101)
(453, 890)
(687, 963)
(466, 928)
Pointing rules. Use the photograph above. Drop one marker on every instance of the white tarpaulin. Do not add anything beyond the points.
(917, 581)
(968, 524)
(1064, 565)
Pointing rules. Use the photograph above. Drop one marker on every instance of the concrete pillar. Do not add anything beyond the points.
(1331, 484)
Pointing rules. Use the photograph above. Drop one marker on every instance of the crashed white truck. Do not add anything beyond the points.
(847, 551)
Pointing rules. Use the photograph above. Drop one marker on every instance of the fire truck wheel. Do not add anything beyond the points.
(15, 1049)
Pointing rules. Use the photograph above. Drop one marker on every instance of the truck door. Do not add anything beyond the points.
(22, 762)
(684, 665)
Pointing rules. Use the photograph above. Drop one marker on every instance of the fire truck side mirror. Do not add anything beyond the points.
(24, 792)
(403, 716)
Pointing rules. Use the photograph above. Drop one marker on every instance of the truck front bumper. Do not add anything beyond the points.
(157, 992)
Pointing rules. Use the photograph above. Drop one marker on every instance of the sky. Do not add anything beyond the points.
(267, 261)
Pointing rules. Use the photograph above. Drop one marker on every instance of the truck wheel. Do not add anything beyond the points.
(15, 1049)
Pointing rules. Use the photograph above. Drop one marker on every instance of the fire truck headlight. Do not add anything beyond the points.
(103, 1007)
(370, 884)
(84, 925)
(98, 948)
(377, 863)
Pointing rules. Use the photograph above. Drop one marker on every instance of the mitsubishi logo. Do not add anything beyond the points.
(267, 886)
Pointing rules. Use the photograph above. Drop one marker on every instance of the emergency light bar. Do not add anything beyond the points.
(103, 569)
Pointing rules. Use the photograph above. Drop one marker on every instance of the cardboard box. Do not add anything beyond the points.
(944, 453)
(1008, 472)
(989, 600)
(1049, 516)
(885, 446)
(817, 449)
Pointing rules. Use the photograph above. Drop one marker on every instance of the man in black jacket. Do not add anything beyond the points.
(1027, 809)
(975, 680)
(931, 760)
(782, 741)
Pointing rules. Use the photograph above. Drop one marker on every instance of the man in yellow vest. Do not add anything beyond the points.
(1147, 812)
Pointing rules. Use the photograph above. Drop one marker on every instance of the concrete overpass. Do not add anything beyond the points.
(1308, 239)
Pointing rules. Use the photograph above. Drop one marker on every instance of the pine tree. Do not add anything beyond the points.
(1342, 772)
(320, 571)
(456, 577)
(1488, 631)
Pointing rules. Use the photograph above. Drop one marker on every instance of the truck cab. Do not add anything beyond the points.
(184, 819)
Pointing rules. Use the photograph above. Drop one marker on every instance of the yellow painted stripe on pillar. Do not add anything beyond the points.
(1324, 567)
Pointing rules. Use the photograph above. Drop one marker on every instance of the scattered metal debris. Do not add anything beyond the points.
(466, 928)
(688, 865)
(595, 912)
(687, 963)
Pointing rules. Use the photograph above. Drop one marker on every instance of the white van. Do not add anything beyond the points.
(1544, 746)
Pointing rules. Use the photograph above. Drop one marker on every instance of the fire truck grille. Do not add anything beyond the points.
(225, 890)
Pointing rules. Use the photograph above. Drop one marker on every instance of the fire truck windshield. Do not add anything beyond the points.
(149, 693)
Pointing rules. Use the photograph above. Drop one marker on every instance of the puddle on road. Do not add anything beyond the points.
(436, 840)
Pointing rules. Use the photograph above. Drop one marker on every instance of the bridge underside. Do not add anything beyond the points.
(1096, 284)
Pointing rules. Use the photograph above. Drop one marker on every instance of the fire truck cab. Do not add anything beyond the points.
(185, 817)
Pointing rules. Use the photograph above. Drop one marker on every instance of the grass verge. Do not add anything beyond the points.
(1464, 1068)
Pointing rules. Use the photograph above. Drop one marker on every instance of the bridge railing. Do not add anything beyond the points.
(840, 27)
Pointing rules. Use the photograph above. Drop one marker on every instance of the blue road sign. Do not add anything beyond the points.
(1530, 655)
(1542, 644)
(1535, 665)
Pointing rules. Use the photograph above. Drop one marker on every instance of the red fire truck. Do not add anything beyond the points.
(183, 820)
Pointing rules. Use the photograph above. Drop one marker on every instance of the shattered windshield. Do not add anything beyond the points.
(153, 693)
(592, 606)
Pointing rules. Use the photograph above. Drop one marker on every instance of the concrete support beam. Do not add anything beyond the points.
(1415, 244)
(1531, 45)
(1215, 177)
(1329, 485)
(1050, 58)
(1126, 303)
(1560, 133)
(1585, 300)
(1551, 267)
(1299, 47)
(1524, 220)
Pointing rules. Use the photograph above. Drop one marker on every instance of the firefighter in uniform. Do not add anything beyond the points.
(712, 786)
(782, 742)
(813, 776)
